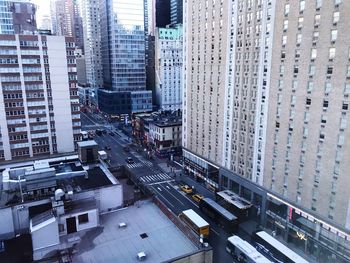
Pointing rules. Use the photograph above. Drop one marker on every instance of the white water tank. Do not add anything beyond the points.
(58, 194)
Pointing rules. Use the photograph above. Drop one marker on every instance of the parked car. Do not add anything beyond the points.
(108, 148)
(197, 197)
(185, 188)
(129, 160)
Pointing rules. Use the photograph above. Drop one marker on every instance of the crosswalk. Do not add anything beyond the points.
(134, 165)
(141, 164)
(159, 177)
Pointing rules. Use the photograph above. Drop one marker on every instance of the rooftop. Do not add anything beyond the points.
(148, 230)
(87, 143)
(66, 173)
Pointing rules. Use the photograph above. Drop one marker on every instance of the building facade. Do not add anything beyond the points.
(38, 96)
(307, 145)
(176, 13)
(266, 100)
(169, 68)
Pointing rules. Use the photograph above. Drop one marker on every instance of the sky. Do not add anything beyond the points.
(43, 9)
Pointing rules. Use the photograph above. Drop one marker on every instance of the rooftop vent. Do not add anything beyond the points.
(143, 235)
(141, 256)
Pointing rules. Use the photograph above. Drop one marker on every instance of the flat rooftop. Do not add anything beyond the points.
(147, 230)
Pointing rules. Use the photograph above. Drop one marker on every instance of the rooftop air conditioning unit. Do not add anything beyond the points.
(141, 256)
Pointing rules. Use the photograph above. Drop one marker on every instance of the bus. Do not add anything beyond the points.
(195, 222)
(219, 214)
(242, 251)
(275, 250)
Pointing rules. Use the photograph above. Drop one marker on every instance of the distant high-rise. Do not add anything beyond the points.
(123, 57)
(90, 13)
(169, 68)
(66, 20)
(6, 24)
(162, 13)
(176, 13)
(38, 96)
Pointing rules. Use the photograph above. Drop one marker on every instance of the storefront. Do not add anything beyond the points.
(303, 231)
(201, 170)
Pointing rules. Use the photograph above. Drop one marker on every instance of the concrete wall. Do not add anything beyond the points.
(6, 223)
(111, 197)
(204, 256)
(44, 239)
(60, 93)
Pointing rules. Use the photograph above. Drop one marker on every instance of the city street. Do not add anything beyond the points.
(152, 174)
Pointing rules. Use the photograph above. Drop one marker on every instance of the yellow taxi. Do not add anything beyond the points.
(197, 197)
(186, 189)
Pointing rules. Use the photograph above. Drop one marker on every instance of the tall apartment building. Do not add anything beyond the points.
(307, 143)
(169, 68)
(38, 96)
(176, 13)
(90, 13)
(123, 58)
(66, 20)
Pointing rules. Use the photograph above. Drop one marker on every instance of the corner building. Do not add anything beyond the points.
(38, 96)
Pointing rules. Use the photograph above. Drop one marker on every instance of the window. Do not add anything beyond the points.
(315, 36)
(284, 40)
(335, 17)
(345, 106)
(310, 86)
(331, 52)
(299, 38)
(286, 9)
(308, 101)
(84, 218)
(301, 6)
(296, 69)
(329, 70)
(347, 89)
(313, 53)
(318, 3)
(285, 24)
(328, 87)
(300, 22)
(334, 34)
(317, 19)
(325, 104)
(312, 70)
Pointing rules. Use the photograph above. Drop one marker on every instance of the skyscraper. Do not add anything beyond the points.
(123, 57)
(169, 68)
(90, 13)
(38, 96)
(162, 13)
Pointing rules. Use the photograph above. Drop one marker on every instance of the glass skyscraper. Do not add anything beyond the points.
(6, 24)
(123, 45)
(123, 57)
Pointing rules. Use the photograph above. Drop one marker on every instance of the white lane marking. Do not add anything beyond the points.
(159, 189)
(168, 187)
(173, 195)
(164, 198)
